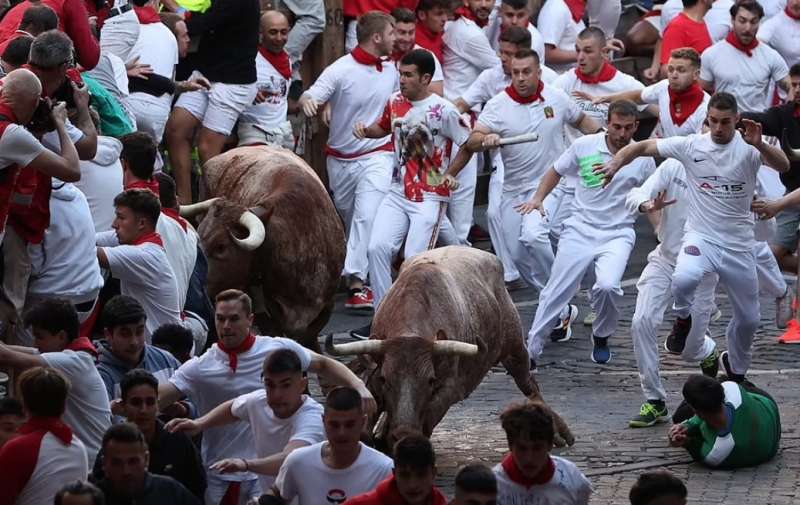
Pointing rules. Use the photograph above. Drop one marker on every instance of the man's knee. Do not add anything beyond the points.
(210, 143)
(180, 125)
(684, 283)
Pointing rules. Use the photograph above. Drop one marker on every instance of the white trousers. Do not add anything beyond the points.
(580, 247)
(462, 200)
(527, 239)
(217, 488)
(652, 301)
(358, 186)
(737, 272)
(398, 219)
(770, 277)
(494, 219)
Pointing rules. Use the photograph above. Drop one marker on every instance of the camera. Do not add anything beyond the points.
(42, 121)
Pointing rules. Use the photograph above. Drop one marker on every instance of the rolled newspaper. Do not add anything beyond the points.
(519, 139)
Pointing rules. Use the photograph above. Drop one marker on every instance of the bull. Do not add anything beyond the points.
(271, 230)
(446, 321)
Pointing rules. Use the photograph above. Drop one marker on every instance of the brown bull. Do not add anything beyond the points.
(443, 325)
(272, 231)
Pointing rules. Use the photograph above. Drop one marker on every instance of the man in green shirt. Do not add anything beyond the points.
(733, 426)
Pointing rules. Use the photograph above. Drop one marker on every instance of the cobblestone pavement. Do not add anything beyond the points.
(597, 402)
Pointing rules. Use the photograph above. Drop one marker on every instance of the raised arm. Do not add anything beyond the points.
(339, 374)
(269, 465)
(219, 416)
(625, 156)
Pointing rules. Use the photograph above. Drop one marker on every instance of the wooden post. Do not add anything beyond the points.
(325, 49)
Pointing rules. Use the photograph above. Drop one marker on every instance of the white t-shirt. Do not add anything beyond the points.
(467, 53)
(306, 477)
(269, 115)
(750, 79)
(493, 81)
(144, 273)
(271, 433)
(88, 412)
(56, 466)
(722, 181)
(658, 93)
(181, 249)
(17, 145)
(559, 30)
(101, 181)
(209, 381)
(569, 82)
(782, 33)
(355, 92)
(525, 164)
(567, 487)
(718, 18)
(157, 47)
(598, 207)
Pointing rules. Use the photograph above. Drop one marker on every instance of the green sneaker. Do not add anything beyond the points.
(649, 414)
(710, 365)
(590, 318)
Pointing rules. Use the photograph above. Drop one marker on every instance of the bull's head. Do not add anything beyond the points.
(229, 235)
(412, 395)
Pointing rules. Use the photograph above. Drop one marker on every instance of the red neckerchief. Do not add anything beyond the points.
(146, 15)
(396, 55)
(733, 40)
(233, 354)
(152, 185)
(433, 42)
(5, 110)
(365, 58)
(791, 14)
(515, 474)
(525, 99)
(607, 72)
(577, 8)
(387, 493)
(152, 237)
(682, 104)
(82, 344)
(174, 214)
(280, 61)
(52, 424)
(466, 12)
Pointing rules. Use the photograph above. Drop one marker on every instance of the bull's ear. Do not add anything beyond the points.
(263, 211)
(441, 335)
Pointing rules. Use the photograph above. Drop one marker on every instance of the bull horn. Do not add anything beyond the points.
(256, 232)
(197, 208)
(792, 153)
(352, 348)
(453, 347)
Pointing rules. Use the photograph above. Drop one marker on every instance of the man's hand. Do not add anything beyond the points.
(230, 465)
(309, 106)
(582, 95)
(116, 407)
(490, 140)
(651, 73)
(195, 84)
(81, 96)
(188, 426)
(326, 114)
(608, 171)
(451, 182)
(615, 44)
(678, 435)
(136, 69)
(59, 113)
(657, 203)
(367, 401)
(766, 209)
(751, 132)
(530, 206)
(360, 130)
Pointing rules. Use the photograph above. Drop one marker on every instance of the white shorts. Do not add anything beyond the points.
(251, 134)
(151, 113)
(220, 107)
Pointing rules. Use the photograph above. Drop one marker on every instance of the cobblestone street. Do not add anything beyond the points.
(597, 402)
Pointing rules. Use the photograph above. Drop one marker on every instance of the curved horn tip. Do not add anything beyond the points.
(256, 232)
(455, 347)
(193, 209)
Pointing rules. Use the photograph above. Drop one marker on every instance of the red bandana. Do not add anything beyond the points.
(526, 99)
(515, 474)
(152, 237)
(146, 15)
(577, 8)
(607, 72)
(52, 424)
(82, 344)
(791, 14)
(733, 40)
(682, 104)
(176, 216)
(5, 110)
(152, 185)
(396, 55)
(233, 354)
(433, 42)
(466, 12)
(280, 61)
(365, 58)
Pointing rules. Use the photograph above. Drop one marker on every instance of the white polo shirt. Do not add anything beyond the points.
(493, 81)
(525, 164)
(722, 181)
(355, 92)
(568, 82)
(467, 53)
(750, 79)
(568, 486)
(658, 93)
(269, 115)
(272, 433)
(782, 33)
(208, 381)
(559, 29)
(598, 207)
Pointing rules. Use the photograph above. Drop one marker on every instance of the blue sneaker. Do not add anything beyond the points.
(601, 354)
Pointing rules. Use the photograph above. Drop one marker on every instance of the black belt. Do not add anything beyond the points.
(119, 10)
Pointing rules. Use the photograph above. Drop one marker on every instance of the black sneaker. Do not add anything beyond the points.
(362, 333)
(676, 340)
(563, 329)
(735, 377)
(601, 353)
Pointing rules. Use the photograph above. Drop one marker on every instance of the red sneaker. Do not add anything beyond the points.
(359, 300)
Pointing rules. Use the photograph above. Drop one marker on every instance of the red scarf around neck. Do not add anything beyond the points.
(366, 58)
(733, 40)
(280, 61)
(52, 424)
(791, 14)
(152, 238)
(233, 354)
(152, 185)
(577, 8)
(466, 12)
(515, 474)
(607, 72)
(82, 344)
(682, 104)
(174, 214)
(433, 42)
(525, 99)
(146, 15)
